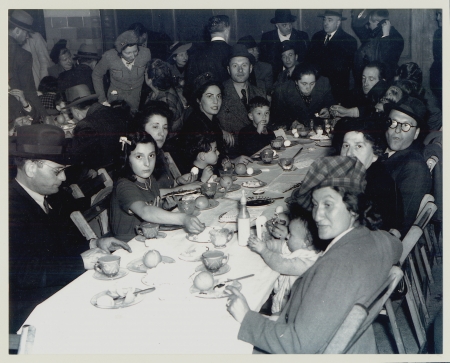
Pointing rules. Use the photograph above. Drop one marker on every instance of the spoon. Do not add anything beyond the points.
(298, 152)
(222, 284)
(145, 291)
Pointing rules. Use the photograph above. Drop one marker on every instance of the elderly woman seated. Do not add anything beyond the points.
(351, 269)
(62, 57)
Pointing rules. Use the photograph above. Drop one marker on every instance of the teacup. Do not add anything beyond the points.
(186, 206)
(220, 237)
(209, 189)
(277, 143)
(267, 156)
(148, 229)
(108, 265)
(214, 260)
(286, 163)
(319, 130)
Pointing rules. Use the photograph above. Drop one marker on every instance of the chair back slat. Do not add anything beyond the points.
(426, 198)
(409, 241)
(23, 342)
(424, 217)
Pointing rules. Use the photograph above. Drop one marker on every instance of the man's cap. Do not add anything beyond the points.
(410, 106)
(87, 51)
(287, 45)
(248, 41)
(125, 39)
(331, 171)
(179, 47)
(77, 94)
(21, 19)
(332, 12)
(283, 16)
(239, 50)
(41, 141)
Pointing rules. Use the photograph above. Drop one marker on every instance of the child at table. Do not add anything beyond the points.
(202, 153)
(136, 197)
(255, 136)
(291, 255)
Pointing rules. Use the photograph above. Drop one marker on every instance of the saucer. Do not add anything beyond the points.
(273, 162)
(254, 184)
(218, 292)
(118, 304)
(193, 253)
(169, 227)
(141, 238)
(137, 265)
(294, 168)
(212, 204)
(99, 276)
(223, 270)
(259, 201)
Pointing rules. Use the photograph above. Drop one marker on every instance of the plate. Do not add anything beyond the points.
(212, 204)
(273, 162)
(217, 179)
(141, 238)
(223, 270)
(258, 157)
(294, 168)
(233, 188)
(203, 237)
(169, 227)
(255, 172)
(118, 304)
(323, 143)
(99, 276)
(259, 201)
(216, 293)
(137, 265)
(252, 184)
(304, 141)
(319, 137)
(193, 253)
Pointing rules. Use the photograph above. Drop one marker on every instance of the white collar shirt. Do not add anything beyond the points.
(38, 198)
(283, 37)
(128, 65)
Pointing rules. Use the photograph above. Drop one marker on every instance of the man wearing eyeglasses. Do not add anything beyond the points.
(44, 254)
(405, 162)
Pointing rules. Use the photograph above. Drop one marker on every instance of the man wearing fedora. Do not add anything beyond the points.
(97, 131)
(403, 159)
(87, 57)
(20, 61)
(270, 45)
(46, 252)
(332, 51)
(262, 75)
(289, 57)
(238, 91)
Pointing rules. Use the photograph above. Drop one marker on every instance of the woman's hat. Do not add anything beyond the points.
(283, 16)
(21, 19)
(239, 50)
(331, 171)
(87, 51)
(248, 41)
(332, 12)
(179, 47)
(125, 39)
(77, 94)
(40, 141)
(202, 79)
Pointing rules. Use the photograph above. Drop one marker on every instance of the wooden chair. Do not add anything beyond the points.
(91, 187)
(172, 166)
(23, 343)
(361, 317)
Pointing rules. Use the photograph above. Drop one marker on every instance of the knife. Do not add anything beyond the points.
(229, 280)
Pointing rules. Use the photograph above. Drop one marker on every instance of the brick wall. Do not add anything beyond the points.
(76, 26)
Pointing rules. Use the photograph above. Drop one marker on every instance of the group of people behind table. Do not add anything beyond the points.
(218, 104)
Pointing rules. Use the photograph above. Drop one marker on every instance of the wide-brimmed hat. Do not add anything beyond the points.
(331, 171)
(283, 16)
(410, 106)
(87, 51)
(332, 12)
(239, 50)
(248, 41)
(77, 94)
(179, 47)
(21, 19)
(125, 39)
(360, 17)
(40, 141)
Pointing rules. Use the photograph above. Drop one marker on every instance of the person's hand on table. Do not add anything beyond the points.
(193, 225)
(91, 256)
(324, 113)
(243, 159)
(256, 245)
(237, 304)
(186, 178)
(109, 244)
(169, 203)
(339, 111)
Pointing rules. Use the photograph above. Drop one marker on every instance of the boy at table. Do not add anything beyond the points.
(44, 255)
(202, 154)
(255, 136)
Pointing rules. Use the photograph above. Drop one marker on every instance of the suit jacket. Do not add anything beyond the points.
(288, 105)
(55, 70)
(334, 60)
(81, 74)
(44, 255)
(350, 272)
(209, 59)
(270, 48)
(264, 76)
(37, 46)
(412, 176)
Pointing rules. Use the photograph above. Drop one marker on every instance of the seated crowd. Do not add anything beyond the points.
(206, 106)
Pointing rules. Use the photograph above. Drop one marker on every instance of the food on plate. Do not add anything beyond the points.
(296, 134)
(202, 202)
(240, 169)
(226, 182)
(152, 258)
(250, 171)
(227, 165)
(204, 281)
(130, 295)
(105, 301)
(287, 143)
(252, 184)
(194, 170)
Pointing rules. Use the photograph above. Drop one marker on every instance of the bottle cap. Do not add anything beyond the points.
(243, 198)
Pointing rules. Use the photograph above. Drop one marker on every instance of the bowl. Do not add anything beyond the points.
(286, 163)
(303, 133)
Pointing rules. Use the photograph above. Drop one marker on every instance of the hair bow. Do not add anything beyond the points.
(123, 140)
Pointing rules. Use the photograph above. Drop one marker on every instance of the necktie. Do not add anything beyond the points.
(307, 100)
(46, 206)
(244, 97)
(327, 39)
(384, 157)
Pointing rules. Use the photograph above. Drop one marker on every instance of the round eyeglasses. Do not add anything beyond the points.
(405, 126)
(57, 171)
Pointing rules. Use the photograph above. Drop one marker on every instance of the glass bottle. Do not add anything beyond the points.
(243, 222)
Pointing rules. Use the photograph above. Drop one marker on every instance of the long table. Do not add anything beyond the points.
(170, 319)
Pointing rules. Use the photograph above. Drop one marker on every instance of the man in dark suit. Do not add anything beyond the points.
(212, 57)
(233, 114)
(299, 98)
(332, 51)
(262, 75)
(43, 255)
(271, 41)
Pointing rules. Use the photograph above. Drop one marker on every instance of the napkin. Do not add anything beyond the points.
(303, 164)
